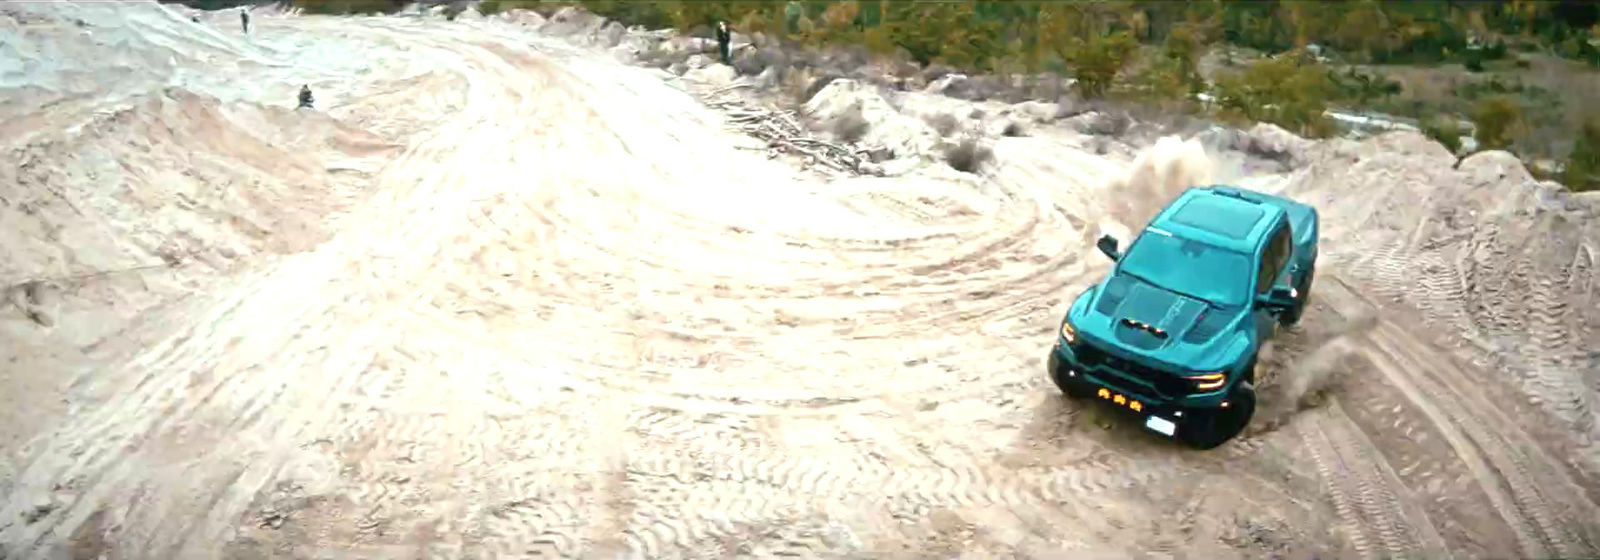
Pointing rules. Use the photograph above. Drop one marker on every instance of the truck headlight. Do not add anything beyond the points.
(1209, 381)
(1068, 332)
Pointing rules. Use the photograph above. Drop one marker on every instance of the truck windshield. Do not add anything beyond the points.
(1191, 268)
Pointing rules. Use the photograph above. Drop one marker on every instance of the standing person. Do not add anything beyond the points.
(724, 37)
(305, 97)
(244, 20)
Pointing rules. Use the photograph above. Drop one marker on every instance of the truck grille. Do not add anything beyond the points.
(1165, 385)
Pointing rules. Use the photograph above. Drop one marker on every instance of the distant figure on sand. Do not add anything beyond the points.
(305, 97)
(244, 20)
(724, 38)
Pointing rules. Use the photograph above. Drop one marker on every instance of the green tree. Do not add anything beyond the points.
(947, 32)
(347, 6)
(1184, 46)
(1084, 36)
(1361, 29)
(1290, 91)
(1097, 62)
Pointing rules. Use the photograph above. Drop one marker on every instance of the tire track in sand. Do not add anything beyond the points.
(433, 345)
(1367, 495)
(213, 374)
(1547, 512)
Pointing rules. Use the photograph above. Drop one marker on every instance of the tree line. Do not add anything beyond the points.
(1151, 51)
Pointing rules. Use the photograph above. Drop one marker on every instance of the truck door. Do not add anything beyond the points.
(1272, 268)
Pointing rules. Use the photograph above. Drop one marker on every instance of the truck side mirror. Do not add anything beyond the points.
(1108, 245)
(1279, 298)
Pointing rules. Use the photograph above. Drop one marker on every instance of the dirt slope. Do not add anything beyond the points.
(502, 296)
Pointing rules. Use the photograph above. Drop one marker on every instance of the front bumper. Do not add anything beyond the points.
(1125, 391)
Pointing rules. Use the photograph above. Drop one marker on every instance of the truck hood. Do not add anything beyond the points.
(1147, 320)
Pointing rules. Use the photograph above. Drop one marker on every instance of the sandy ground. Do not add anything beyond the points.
(506, 297)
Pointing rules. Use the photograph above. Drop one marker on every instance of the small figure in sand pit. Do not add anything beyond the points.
(305, 97)
(724, 41)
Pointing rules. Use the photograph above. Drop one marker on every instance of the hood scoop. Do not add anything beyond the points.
(1208, 326)
(1137, 334)
(1149, 318)
(1146, 327)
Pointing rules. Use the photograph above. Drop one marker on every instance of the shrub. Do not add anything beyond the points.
(1096, 62)
(1582, 171)
(1290, 91)
(348, 6)
(850, 126)
(1108, 122)
(1494, 120)
(968, 155)
(1446, 131)
(943, 123)
(1363, 87)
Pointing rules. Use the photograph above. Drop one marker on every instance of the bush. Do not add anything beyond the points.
(1290, 91)
(1163, 81)
(1582, 171)
(338, 7)
(850, 126)
(1363, 87)
(1446, 131)
(1495, 119)
(1108, 122)
(1097, 62)
(943, 123)
(968, 155)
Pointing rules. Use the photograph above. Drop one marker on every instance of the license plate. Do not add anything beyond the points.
(1160, 424)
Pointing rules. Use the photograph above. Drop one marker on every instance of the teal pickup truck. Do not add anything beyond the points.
(1172, 332)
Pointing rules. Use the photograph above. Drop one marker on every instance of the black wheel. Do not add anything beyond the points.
(1075, 391)
(1212, 428)
(1291, 316)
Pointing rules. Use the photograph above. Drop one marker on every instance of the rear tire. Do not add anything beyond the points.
(1212, 428)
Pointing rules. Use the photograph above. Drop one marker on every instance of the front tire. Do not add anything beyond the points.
(1212, 428)
(1074, 391)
